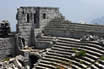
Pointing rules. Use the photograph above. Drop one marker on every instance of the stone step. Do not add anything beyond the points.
(67, 47)
(62, 28)
(94, 67)
(42, 39)
(62, 47)
(58, 53)
(60, 56)
(41, 67)
(97, 45)
(91, 55)
(99, 51)
(101, 66)
(101, 62)
(49, 66)
(76, 26)
(95, 50)
(87, 62)
(75, 60)
(64, 63)
(61, 53)
(53, 64)
(86, 48)
(59, 64)
(81, 43)
(84, 44)
(68, 39)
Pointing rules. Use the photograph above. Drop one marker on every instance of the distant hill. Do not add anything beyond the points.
(98, 21)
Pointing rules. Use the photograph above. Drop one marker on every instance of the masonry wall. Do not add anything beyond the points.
(7, 47)
(23, 26)
(31, 21)
(61, 28)
(51, 13)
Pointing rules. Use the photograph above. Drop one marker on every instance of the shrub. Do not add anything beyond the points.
(60, 67)
(102, 57)
(6, 59)
(81, 53)
(81, 62)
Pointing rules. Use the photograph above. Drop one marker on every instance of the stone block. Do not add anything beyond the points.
(7, 46)
(43, 45)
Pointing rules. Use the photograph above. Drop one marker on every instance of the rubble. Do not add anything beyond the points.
(14, 63)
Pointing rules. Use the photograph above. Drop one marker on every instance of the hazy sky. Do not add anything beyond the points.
(74, 10)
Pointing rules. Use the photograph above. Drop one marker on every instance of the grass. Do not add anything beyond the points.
(81, 53)
(6, 59)
(102, 57)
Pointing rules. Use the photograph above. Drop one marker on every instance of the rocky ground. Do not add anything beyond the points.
(14, 63)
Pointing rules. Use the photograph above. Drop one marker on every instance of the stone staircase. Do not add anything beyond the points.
(44, 42)
(61, 55)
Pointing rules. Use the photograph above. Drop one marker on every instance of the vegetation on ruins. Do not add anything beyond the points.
(81, 61)
(60, 67)
(102, 58)
(6, 59)
(79, 53)
(74, 49)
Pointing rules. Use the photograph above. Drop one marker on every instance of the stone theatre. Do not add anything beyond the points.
(44, 39)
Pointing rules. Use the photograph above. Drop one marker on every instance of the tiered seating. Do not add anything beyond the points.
(61, 55)
(44, 42)
(45, 39)
(61, 28)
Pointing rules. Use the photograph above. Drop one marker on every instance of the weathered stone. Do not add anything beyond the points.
(59, 27)
(7, 47)
(33, 19)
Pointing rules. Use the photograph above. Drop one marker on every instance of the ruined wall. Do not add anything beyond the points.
(31, 21)
(50, 13)
(23, 25)
(61, 28)
(7, 47)
(45, 15)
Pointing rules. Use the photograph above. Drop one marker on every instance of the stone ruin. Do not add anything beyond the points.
(31, 21)
(7, 42)
(4, 28)
(45, 40)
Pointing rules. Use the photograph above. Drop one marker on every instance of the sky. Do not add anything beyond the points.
(73, 10)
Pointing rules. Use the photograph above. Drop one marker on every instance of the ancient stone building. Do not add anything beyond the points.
(57, 47)
(31, 21)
